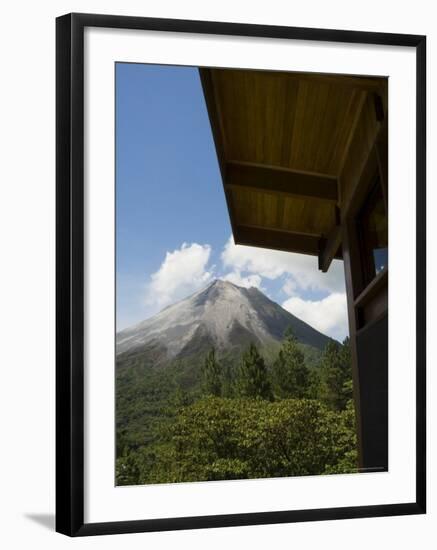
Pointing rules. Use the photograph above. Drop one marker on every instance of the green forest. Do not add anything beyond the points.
(284, 413)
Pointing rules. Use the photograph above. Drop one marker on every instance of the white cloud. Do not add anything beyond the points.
(186, 269)
(301, 270)
(290, 287)
(239, 280)
(182, 272)
(328, 315)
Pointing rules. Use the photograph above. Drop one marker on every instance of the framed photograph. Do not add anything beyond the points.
(237, 343)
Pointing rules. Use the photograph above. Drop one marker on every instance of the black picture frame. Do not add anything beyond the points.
(70, 273)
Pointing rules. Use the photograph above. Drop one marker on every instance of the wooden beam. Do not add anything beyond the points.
(382, 160)
(360, 165)
(278, 240)
(284, 181)
(329, 248)
(353, 279)
(372, 289)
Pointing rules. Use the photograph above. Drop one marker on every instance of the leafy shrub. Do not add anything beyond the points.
(220, 438)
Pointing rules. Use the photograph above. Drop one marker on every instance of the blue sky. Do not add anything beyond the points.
(173, 234)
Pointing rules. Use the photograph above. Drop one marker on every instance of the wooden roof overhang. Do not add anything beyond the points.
(282, 140)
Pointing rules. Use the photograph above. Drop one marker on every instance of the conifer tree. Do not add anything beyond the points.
(228, 382)
(212, 375)
(336, 375)
(291, 374)
(253, 376)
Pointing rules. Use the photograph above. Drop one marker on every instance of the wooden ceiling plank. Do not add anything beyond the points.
(349, 81)
(352, 130)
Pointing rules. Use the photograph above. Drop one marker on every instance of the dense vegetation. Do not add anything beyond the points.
(266, 415)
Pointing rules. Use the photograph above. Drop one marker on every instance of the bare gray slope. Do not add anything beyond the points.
(223, 315)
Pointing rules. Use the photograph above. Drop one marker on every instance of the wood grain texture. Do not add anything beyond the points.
(284, 141)
(282, 181)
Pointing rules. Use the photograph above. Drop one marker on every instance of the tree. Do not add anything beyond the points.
(253, 378)
(345, 442)
(345, 352)
(288, 332)
(228, 382)
(336, 375)
(222, 438)
(127, 470)
(314, 384)
(290, 372)
(212, 375)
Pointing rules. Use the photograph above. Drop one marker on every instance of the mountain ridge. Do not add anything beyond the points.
(221, 315)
